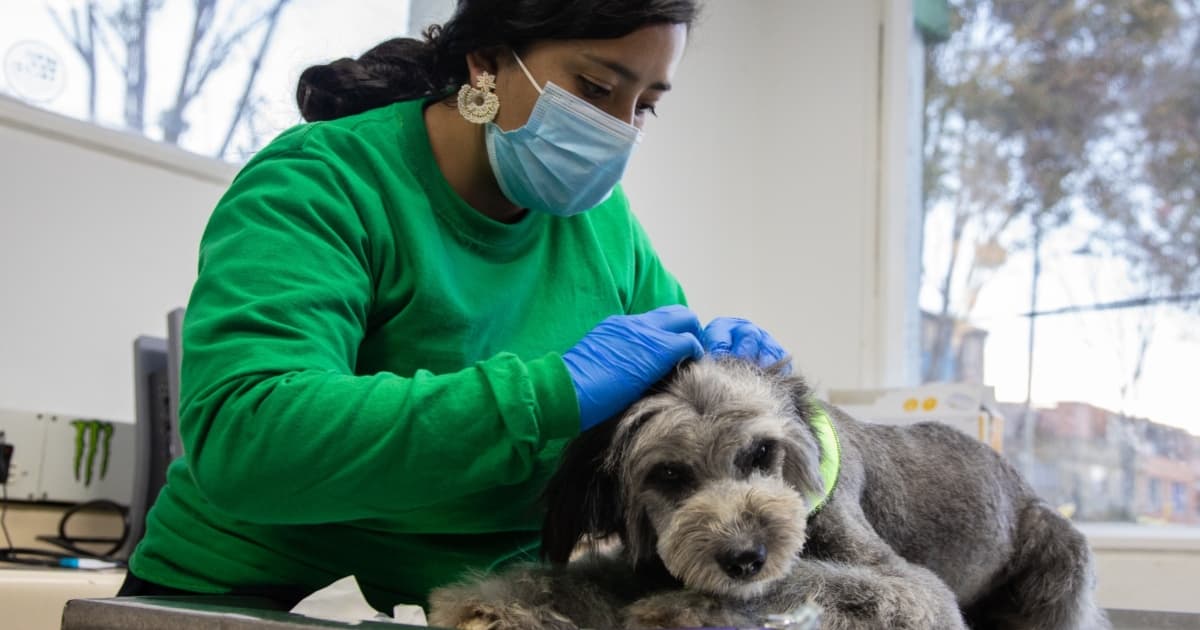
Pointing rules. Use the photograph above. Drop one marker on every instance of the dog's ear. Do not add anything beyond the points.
(581, 498)
(802, 453)
(800, 395)
(802, 461)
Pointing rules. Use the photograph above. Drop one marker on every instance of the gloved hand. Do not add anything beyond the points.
(726, 336)
(624, 355)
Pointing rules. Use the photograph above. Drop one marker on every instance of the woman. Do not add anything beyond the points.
(403, 312)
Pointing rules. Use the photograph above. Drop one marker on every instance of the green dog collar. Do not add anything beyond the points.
(831, 458)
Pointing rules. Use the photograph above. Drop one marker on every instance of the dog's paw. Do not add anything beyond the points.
(488, 616)
(861, 600)
(854, 598)
(680, 609)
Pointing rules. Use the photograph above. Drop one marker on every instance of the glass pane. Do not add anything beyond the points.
(1062, 242)
(216, 77)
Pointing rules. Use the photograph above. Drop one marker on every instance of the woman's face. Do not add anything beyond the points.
(624, 77)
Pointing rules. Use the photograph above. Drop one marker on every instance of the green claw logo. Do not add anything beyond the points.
(91, 436)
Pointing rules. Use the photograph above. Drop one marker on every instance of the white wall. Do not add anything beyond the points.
(759, 184)
(98, 240)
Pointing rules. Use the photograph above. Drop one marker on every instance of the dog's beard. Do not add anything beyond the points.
(729, 516)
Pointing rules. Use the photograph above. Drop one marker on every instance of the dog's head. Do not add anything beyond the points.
(711, 473)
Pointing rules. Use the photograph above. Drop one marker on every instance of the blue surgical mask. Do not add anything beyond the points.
(566, 159)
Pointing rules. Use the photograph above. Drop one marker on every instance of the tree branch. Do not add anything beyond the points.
(172, 121)
(255, 65)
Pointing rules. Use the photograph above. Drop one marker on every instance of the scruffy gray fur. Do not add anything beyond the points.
(707, 483)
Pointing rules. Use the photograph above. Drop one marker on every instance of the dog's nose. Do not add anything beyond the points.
(743, 563)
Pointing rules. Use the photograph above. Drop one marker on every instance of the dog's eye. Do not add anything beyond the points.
(760, 457)
(669, 476)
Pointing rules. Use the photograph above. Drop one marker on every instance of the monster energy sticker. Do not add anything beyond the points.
(91, 436)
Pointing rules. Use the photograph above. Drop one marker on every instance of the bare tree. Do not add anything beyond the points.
(1018, 104)
(82, 35)
(122, 30)
(130, 23)
(189, 85)
(209, 49)
(272, 18)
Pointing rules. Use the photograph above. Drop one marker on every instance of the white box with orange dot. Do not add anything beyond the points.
(967, 407)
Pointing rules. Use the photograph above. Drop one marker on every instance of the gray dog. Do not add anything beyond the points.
(735, 495)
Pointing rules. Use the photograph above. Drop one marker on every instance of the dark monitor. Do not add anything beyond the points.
(174, 360)
(156, 426)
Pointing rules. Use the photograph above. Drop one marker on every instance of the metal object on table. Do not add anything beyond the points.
(806, 617)
(1153, 620)
(199, 612)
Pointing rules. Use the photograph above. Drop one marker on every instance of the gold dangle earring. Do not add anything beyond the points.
(479, 104)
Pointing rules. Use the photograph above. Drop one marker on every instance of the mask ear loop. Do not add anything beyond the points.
(526, 71)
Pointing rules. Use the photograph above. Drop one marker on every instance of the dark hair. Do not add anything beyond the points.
(405, 68)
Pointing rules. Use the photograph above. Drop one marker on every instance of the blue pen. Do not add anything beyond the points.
(86, 563)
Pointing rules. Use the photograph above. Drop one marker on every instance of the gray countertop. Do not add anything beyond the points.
(249, 613)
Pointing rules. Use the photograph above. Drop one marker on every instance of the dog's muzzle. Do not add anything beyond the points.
(734, 537)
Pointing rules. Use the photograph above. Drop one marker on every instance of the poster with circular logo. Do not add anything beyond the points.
(35, 71)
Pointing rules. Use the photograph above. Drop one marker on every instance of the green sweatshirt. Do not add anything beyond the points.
(372, 379)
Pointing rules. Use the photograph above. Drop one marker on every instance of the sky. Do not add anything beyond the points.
(1080, 357)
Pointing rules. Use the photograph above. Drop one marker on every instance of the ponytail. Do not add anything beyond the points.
(397, 70)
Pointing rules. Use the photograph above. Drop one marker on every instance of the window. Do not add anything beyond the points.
(1179, 502)
(1061, 257)
(215, 77)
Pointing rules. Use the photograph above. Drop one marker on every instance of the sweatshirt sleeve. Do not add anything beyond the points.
(276, 426)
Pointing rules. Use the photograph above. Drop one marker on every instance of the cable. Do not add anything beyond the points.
(69, 542)
(1148, 300)
(3, 514)
(77, 558)
(6, 451)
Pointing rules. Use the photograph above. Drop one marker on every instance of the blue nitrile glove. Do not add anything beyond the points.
(725, 336)
(624, 355)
